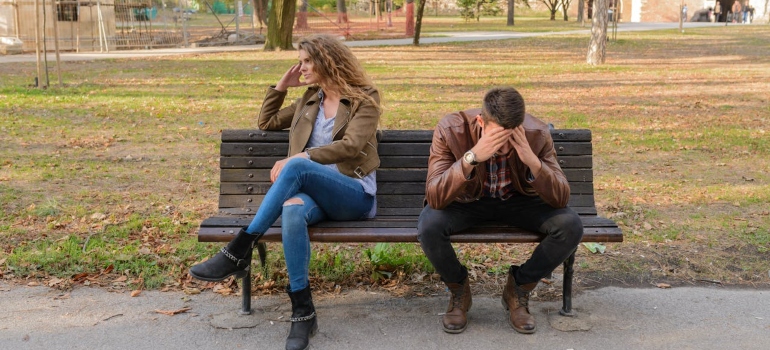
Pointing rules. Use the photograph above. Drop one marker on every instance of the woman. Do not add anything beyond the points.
(332, 155)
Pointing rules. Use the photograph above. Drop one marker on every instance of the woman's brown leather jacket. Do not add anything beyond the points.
(458, 132)
(354, 140)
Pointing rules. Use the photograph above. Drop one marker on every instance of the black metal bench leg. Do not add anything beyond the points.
(262, 250)
(246, 281)
(246, 293)
(569, 271)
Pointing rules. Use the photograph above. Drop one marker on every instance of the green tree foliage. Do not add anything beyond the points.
(467, 9)
(470, 9)
(219, 7)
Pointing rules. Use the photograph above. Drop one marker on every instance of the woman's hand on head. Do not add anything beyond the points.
(290, 79)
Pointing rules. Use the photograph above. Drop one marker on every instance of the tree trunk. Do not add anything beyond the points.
(342, 12)
(279, 27)
(598, 43)
(302, 16)
(418, 25)
(410, 18)
(564, 7)
(553, 14)
(581, 10)
(260, 13)
(510, 13)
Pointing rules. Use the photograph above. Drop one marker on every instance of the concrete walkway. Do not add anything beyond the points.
(608, 319)
(435, 38)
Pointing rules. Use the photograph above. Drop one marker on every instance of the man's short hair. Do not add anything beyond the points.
(504, 106)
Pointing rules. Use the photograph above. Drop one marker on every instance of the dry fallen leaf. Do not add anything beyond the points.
(136, 293)
(222, 290)
(663, 285)
(120, 279)
(192, 291)
(173, 312)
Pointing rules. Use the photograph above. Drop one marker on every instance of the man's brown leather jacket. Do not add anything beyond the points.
(458, 132)
(354, 140)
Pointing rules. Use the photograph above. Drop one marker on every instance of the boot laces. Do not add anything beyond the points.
(457, 297)
(523, 297)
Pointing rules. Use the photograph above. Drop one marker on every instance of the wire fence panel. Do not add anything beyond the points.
(105, 25)
(355, 25)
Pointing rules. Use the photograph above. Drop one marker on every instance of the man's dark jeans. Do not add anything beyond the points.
(562, 229)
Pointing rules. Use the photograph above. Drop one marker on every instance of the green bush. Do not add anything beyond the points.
(219, 7)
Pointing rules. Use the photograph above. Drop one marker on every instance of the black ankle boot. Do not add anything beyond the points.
(234, 259)
(303, 320)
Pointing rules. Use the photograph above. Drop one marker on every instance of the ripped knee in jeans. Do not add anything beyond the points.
(293, 201)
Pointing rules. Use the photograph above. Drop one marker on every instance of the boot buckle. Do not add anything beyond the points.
(238, 262)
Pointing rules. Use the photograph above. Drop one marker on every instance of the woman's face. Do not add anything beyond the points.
(306, 68)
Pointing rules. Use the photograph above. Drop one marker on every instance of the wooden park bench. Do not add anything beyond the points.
(248, 155)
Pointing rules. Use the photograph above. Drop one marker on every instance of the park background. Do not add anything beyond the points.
(104, 180)
(96, 25)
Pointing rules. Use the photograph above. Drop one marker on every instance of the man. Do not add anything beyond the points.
(496, 164)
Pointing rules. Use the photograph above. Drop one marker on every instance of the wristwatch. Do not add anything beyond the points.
(470, 158)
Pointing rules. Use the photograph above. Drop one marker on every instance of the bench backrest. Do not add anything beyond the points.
(248, 155)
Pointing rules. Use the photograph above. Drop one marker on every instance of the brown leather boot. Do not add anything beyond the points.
(516, 301)
(455, 319)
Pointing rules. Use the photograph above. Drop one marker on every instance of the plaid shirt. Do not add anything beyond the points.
(498, 181)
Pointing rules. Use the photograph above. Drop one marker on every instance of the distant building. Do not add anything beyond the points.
(90, 25)
(81, 23)
(669, 10)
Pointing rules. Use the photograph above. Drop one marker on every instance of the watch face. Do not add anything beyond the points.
(469, 157)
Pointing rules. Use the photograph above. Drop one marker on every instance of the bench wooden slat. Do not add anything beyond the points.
(383, 175)
(267, 162)
(401, 136)
(233, 135)
(227, 188)
(401, 220)
(387, 211)
(401, 234)
(383, 200)
(384, 149)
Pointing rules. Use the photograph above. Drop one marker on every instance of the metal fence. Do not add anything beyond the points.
(104, 25)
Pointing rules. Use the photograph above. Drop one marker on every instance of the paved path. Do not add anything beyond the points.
(435, 38)
(612, 318)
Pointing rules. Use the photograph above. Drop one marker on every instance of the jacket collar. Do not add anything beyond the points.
(317, 96)
(473, 125)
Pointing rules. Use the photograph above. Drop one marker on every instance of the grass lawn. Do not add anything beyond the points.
(105, 180)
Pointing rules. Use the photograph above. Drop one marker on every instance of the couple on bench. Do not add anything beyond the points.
(496, 163)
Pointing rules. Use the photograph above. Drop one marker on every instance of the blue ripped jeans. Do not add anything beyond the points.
(324, 194)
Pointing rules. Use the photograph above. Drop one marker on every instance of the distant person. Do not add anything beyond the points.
(745, 11)
(717, 11)
(332, 156)
(736, 11)
(684, 13)
(497, 163)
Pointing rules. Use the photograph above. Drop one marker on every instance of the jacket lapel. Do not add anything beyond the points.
(304, 126)
(342, 117)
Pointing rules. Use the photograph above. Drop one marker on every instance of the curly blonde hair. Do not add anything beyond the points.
(338, 69)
